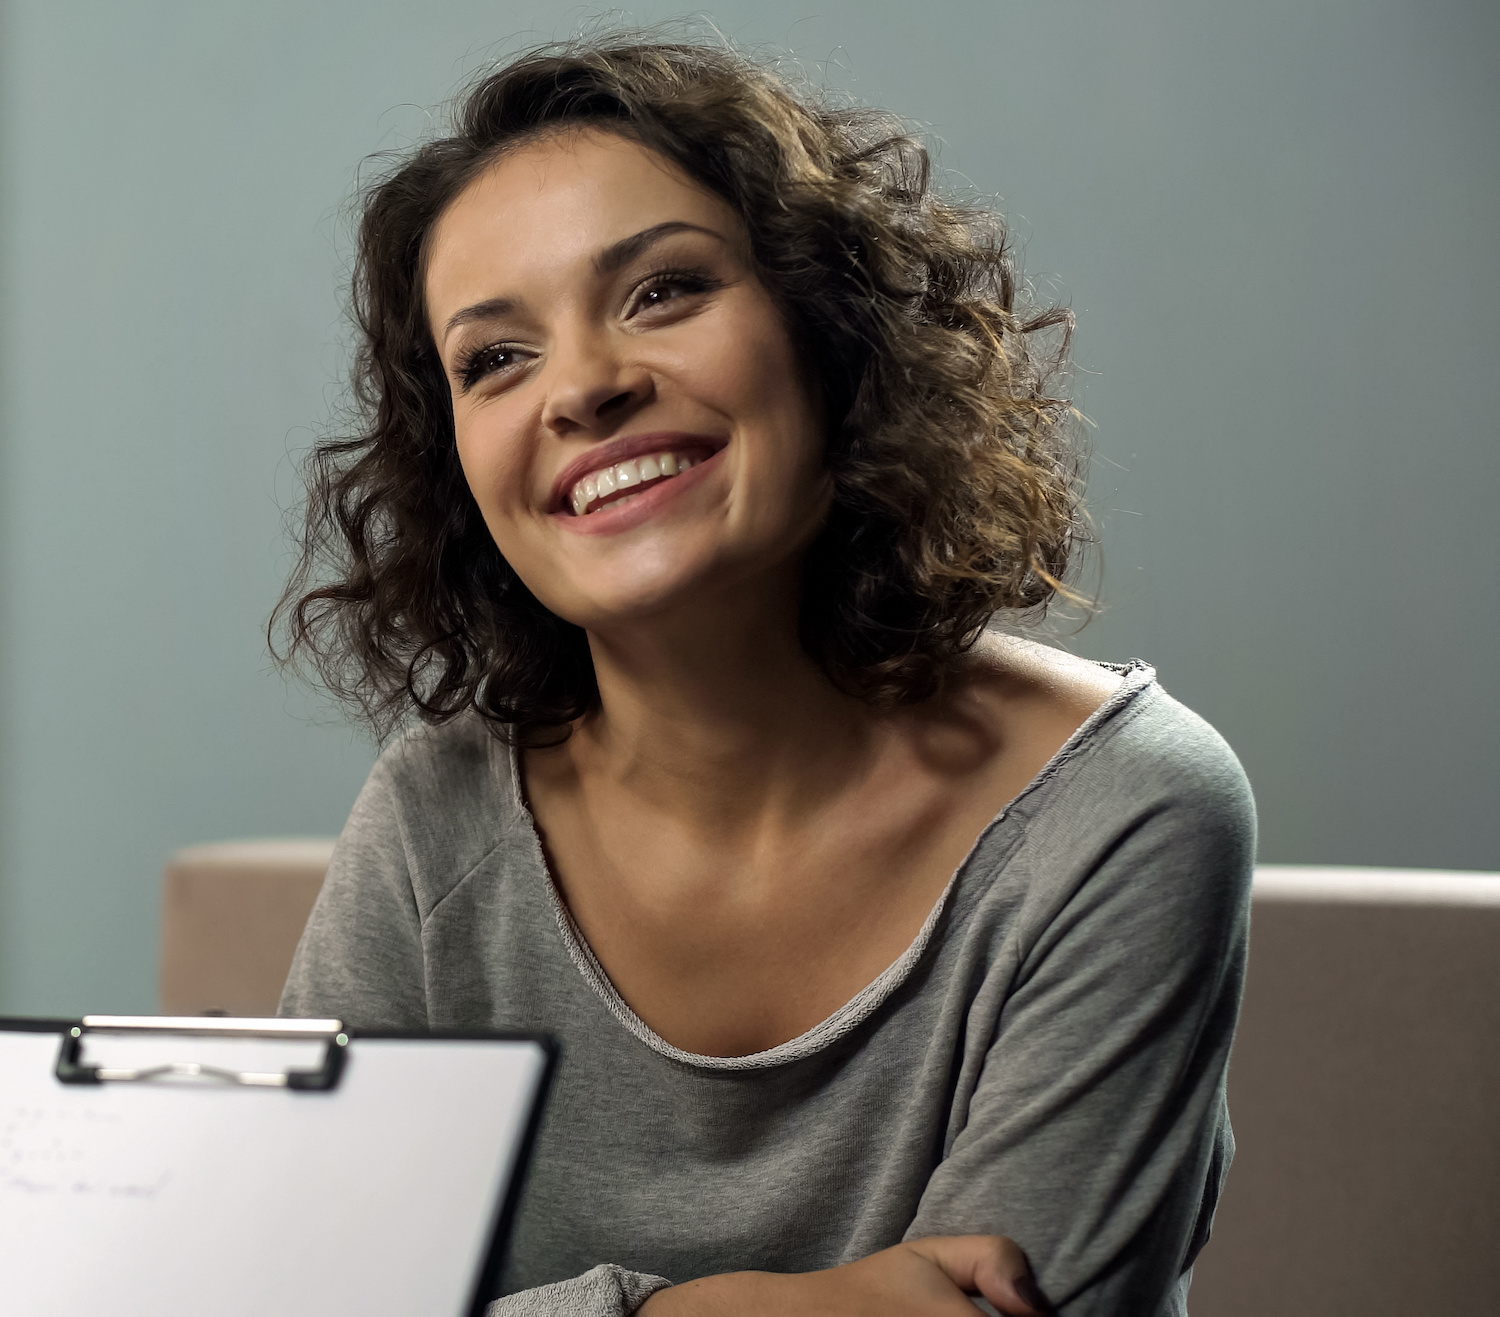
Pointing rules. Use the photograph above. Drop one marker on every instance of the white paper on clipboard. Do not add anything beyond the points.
(379, 1197)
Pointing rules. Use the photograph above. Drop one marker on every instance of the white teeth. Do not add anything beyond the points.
(602, 483)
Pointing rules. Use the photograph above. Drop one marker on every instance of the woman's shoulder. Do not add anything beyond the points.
(1116, 767)
(1144, 815)
(1148, 744)
(1146, 797)
(445, 793)
(462, 757)
(1159, 753)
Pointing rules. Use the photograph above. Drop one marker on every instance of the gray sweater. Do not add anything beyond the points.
(1045, 1061)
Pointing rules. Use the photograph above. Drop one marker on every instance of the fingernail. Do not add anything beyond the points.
(1026, 1288)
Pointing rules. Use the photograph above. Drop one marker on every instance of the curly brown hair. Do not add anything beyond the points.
(956, 472)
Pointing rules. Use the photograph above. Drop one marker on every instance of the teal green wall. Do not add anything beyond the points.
(1276, 221)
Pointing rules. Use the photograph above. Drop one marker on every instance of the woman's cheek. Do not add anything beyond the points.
(489, 466)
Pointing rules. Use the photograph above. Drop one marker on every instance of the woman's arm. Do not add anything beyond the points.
(924, 1278)
(1097, 1136)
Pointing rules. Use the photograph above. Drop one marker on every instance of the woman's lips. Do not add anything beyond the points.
(618, 516)
(627, 448)
(628, 479)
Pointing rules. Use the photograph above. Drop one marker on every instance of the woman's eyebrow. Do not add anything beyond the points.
(626, 250)
(611, 259)
(491, 309)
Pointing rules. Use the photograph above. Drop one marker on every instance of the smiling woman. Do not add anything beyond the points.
(893, 962)
(954, 471)
(624, 295)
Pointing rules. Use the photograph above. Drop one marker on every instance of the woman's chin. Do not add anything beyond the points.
(629, 607)
(671, 578)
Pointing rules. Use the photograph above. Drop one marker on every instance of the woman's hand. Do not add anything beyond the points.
(923, 1278)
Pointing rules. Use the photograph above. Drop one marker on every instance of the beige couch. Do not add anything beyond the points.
(231, 915)
(1365, 1084)
(1365, 1094)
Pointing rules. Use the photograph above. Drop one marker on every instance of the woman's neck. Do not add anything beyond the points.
(720, 716)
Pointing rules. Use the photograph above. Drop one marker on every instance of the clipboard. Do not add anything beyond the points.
(259, 1168)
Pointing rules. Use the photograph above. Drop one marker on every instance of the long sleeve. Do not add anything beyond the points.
(1098, 1136)
(606, 1291)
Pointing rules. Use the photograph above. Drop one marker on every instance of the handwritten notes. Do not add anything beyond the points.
(79, 1151)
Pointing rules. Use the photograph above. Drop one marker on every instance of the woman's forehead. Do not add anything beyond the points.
(552, 204)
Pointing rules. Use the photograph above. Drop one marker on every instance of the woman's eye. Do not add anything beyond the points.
(482, 362)
(665, 289)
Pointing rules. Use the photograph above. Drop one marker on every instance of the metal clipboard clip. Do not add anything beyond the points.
(71, 1068)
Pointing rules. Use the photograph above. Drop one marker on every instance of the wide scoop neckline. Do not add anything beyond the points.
(1138, 675)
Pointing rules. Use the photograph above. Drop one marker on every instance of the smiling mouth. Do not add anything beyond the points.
(613, 486)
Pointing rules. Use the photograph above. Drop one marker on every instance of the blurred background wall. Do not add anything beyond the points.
(1276, 221)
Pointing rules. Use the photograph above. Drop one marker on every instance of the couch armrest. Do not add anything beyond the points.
(231, 916)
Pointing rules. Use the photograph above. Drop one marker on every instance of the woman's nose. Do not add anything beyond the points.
(592, 388)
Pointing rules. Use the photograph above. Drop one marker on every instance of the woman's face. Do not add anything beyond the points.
(630, 412)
